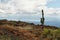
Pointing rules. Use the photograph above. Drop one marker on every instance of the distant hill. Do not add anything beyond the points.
(22, 24)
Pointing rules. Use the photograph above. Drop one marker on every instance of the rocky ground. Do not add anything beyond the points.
(18, 30)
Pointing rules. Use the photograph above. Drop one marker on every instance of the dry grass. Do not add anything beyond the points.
(12, 30)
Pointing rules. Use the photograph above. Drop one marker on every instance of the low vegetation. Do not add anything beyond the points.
(18, 30)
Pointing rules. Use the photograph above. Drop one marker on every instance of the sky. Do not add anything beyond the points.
(29, 10)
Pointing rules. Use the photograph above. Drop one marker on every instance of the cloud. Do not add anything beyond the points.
(4, 1)
(26, 9)
(29, 5)
(24, 5)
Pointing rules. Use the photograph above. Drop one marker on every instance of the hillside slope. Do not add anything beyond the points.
(18, 30)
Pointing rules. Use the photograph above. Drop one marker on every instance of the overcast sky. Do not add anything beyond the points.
(29, 10)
